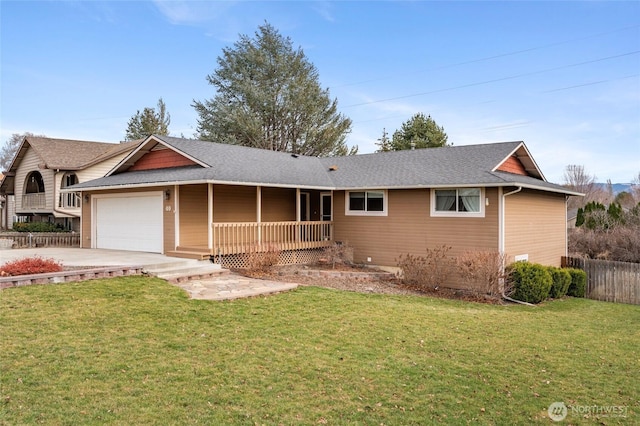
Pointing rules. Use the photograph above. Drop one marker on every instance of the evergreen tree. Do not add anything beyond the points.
(268, 96)
(419, 132)
(149, 122)
(384, 142)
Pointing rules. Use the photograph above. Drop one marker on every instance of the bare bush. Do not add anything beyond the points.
(261, 257)
(428, 271)
(621, 243)
(483, 270)
(338, 253)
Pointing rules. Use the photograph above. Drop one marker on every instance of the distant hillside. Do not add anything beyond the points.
(617, 187)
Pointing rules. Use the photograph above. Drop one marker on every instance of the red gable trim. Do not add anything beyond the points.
(161, 159)
(513, 165)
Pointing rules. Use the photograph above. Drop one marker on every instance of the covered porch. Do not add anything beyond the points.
(231, 220)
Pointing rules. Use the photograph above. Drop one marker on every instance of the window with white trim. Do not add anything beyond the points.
(366, 203)
(454, 202)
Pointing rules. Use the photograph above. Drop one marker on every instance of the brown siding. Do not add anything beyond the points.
(535, 225)
(161, 159)
(168, 216)
(194, 208)
(513, 165)
(234, 203)
(408, 228)
(278, 204)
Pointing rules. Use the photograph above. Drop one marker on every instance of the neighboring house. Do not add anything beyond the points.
(42, 167)
(3, 208)
(194, 198)
(572, 215)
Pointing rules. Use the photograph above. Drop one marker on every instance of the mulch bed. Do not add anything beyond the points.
(393, 286)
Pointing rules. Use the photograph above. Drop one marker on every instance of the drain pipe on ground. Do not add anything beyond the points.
(504, 296)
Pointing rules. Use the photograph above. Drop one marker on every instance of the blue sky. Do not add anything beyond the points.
(562, 76)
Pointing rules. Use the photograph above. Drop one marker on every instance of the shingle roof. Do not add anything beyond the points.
(432, 167)
(456, 165)
(64, 154)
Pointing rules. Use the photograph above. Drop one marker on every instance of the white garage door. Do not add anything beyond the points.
(129, 222)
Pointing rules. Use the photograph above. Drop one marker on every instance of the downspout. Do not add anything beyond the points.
(502, 228)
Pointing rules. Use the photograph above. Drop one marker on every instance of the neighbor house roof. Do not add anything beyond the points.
(64, 154)
(466, 165)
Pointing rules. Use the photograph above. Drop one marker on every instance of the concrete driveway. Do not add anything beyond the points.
(89, 257)
(224, 286)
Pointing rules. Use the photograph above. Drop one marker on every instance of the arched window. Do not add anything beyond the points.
(34, 197)
(34, 184)
(69, 179)
(69, 199)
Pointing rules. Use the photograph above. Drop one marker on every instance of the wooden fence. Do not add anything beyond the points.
(608, 280)
(42, 239)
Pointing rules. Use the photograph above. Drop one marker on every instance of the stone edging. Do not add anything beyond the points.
(69, 276)
(363, 276)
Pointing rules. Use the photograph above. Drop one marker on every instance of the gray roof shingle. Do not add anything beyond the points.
(432, 167)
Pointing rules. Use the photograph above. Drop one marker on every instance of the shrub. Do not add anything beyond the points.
(531, 282)
(37, 227)
(261, 257)
(339, 253)
(30, 265)
(428, 271)
(578, 286)
(483, 270)
(561, 282)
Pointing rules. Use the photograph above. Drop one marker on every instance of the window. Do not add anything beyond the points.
(457, 202)
(366, 203)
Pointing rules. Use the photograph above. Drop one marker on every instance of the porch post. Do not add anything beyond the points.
(176, 215)
(210, 216)
(259, 211)
(298, 211)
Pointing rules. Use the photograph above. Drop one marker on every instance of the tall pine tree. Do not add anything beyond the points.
(268, 96)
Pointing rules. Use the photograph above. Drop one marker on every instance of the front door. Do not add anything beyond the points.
(304, 206)
(325, 207)
(326, 214)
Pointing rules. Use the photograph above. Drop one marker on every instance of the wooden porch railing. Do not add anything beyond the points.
(246, 237)
(34, 201)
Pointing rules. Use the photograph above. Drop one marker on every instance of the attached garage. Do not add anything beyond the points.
(130, 221)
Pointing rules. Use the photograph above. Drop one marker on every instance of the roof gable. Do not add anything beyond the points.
(146, 158)
(161, 157)
(522, 156)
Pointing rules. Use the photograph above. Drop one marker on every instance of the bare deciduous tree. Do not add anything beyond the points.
(577, 179)
(10, 147)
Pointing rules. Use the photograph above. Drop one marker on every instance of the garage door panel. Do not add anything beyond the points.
(129, 223)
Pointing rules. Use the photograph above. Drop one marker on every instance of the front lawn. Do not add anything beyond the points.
(136, 350)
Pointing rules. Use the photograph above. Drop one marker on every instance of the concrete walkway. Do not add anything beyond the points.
(220, 287)
(232, 286)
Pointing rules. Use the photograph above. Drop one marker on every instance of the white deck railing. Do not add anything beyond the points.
(246, 237)
(70, 200)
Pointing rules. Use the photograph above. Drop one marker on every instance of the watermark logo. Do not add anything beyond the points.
(557, 411)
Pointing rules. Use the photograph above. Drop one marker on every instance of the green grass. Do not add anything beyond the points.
(137, 351)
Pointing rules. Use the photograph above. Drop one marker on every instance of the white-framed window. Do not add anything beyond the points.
(366, 203)
(457, 202)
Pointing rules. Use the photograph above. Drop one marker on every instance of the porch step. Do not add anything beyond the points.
(186, 270)
(185, 254)
(199, 253)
